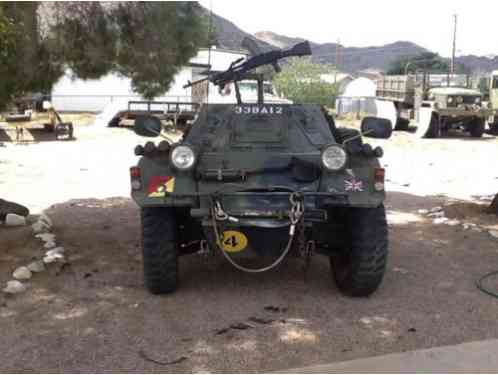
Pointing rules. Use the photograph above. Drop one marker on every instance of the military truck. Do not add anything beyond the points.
(493, 102)
(262, 182)
(437, 102)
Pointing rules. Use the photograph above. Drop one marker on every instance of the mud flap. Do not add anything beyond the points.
(386, 110)
(426, 125)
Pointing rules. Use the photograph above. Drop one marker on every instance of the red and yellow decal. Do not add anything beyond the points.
(160, 185)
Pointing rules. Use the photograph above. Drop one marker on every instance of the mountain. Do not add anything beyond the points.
(478, 64)
(351, 59)
(229, 36)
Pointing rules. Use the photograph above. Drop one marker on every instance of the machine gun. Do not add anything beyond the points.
(240, 69)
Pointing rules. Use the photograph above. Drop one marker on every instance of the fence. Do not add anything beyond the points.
(346, 105)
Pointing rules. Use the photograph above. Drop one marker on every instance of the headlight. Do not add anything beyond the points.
(478, 101)
(182, 157)
(450, 100)
(334, 157)
(460, 100)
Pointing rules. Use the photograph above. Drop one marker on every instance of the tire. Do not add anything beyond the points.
(402, 124)
(160, 250)
(382, 128)
(114, 123)
(434, 130)
(64, 129)
(493, 128)
(49, 128)
(359, 267)
(477, 128)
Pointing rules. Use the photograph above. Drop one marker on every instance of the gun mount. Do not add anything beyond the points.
(240, 69)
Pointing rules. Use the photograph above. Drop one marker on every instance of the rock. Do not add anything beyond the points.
(437, 214)
(14, 287)
(47, 259)
(493, 233)
(57, 250)
(46, 237)
(366, 320)
(440, 220)
(453, 222)
(423, 212)
(49, 245)
(401, 270)
(36, 266)
(435, 209)
(40, 227)
(22, 273)
(13, 220)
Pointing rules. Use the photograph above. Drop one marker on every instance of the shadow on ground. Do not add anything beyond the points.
(95, 315)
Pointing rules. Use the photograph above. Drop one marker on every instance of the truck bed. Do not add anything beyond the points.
(399, 88)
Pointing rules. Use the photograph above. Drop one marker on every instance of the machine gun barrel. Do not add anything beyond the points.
(238, 68)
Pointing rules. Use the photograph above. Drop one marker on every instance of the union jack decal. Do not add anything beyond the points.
(353, 185)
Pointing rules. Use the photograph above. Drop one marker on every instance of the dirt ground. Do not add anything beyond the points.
(94, 315)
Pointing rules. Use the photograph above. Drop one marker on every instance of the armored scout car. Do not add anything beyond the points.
(262, 180)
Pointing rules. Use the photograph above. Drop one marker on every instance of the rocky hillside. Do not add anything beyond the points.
(352, 59)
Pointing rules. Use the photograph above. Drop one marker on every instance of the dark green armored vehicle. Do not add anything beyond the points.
(261, 180)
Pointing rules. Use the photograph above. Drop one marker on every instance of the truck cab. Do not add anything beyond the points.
(493, 90)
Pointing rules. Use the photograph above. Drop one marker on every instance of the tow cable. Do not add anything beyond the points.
(480, 284)
(295, 216)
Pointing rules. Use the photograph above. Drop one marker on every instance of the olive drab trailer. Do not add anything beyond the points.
(264, 181)
(437, 103)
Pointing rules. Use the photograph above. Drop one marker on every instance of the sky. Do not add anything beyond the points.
(372, 22)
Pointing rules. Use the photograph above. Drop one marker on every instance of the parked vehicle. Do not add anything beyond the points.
(35, 112)
(272, 180)
(437, 102)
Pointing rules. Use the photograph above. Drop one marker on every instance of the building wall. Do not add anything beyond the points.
(94, 95)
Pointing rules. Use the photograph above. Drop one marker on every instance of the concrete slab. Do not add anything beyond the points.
(473, 357)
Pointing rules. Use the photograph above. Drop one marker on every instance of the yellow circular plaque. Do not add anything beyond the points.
(233, 241)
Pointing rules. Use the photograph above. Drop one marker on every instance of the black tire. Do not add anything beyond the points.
(48, 128)
(114, 123)
(359, 267)
(477, 128)
(434, 130)
(64, 131)
(375, 127)
(160, 250)
(493, 127)
(402, 124)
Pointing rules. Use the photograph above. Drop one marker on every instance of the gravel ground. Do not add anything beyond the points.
(93, 314)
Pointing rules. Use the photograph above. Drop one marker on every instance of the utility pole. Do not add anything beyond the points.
(337, 55)
(452, 69)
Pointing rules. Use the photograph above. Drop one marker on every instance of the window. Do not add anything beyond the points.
(495, 83)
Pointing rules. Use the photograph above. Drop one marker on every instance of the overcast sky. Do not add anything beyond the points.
(356, 23)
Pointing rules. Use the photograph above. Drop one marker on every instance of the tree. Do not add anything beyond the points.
(300, 82)
(427, 61)
(146, 41)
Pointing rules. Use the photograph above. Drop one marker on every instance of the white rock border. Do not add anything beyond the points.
(53, 253)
